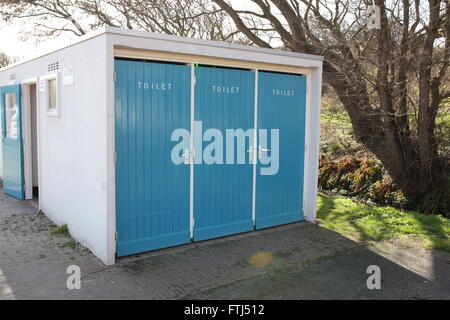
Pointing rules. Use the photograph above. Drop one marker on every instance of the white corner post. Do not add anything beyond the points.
(110, 156)
(312, 143)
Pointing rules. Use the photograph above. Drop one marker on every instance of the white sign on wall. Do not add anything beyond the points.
(67, 74)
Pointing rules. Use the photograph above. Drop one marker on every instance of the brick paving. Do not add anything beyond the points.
(33, 265)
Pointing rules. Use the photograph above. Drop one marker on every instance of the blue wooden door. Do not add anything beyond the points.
(224, 99)
(282, 107)
(152, 192)
(12, 147)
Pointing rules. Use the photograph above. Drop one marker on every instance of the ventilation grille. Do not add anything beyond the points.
(12, 76)
(53, 66)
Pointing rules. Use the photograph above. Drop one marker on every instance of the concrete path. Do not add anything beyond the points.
(298, 261)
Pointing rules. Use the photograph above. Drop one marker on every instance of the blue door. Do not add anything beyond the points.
(152, 192)
(282, 109)
(12, 148)
(224, 99)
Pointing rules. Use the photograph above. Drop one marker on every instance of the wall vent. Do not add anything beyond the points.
(12, 76)
(53, 66)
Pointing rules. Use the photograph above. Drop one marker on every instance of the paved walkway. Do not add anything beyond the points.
(298, 261)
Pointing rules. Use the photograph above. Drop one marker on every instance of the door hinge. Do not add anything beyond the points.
(195, 80)
(116, 236)
(115, 157)
(115, 76)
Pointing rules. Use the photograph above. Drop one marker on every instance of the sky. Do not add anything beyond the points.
(13, 46)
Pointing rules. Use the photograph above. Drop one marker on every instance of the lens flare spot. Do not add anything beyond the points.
(261, 259)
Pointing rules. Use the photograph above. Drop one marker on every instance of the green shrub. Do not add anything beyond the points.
(363, 178)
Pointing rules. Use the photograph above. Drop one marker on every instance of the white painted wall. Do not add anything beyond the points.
(72, 147)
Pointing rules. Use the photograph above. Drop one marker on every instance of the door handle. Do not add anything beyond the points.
(186, 156)
(261, 150)
(251, 151)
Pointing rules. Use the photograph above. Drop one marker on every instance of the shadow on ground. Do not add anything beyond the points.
(298, 261)
(404, 234)
(378, 223)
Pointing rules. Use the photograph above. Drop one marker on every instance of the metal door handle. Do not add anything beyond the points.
(186, 156)
(261, 150)
(251, 151)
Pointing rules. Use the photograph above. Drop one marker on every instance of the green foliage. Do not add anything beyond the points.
(70, 244)
(363, 178)
(436, 201)
(62, 230)
(373, 223)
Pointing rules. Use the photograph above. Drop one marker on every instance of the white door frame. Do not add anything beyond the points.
(192, 153)
(27, 132)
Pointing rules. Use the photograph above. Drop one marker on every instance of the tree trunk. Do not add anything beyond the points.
(370, 129)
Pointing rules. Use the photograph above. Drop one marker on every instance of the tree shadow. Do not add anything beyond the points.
(409, 232)
(379, 223)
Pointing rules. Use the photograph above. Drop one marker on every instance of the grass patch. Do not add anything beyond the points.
(70, 244)
(60, 231)
(372, 223)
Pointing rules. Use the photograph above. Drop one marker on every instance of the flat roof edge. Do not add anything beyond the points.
(152, 35)
(213, 43)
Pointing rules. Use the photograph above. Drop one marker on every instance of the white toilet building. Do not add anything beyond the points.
(118, 134)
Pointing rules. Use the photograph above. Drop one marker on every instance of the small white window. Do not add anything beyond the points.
(11, 116)
(51, 94)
